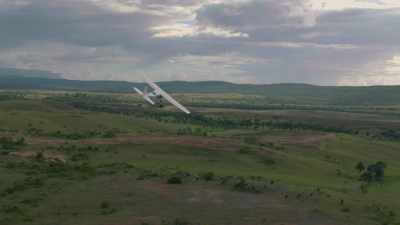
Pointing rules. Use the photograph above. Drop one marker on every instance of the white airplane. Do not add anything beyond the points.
(158, 93)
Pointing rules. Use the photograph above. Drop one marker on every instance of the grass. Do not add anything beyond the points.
(270, 174)
(22, 115)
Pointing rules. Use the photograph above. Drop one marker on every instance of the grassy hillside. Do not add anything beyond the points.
(73, 158)
(300, 94)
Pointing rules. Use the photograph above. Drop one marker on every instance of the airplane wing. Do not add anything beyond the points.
(138, 91)
(165, 95)
(146, 97)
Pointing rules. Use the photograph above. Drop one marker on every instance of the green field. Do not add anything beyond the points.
(107, 158)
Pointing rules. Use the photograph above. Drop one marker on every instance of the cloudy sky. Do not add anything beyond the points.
(328, 42)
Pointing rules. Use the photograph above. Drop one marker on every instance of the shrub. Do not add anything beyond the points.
(360, 167)
(106, 209)
(8, 143)
(345, 209)
(104, 205)
(108, 134)
(208, 176)
(245, 150)
(79, 156)
(268, 161)
(39, 156)
(174, 180)
(374, 172)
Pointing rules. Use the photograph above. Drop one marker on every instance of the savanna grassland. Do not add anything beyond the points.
(80, 158)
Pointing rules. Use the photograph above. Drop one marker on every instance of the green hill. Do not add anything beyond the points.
(5, 72)
(279, 93)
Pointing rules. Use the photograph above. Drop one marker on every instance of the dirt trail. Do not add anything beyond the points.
(213, 143)
(200, 142)
(312, 140)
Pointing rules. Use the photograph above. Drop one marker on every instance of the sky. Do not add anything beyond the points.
(324, 42)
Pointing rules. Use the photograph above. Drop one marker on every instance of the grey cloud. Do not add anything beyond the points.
(77, 22)
(287, 42)
(362, 27)
(255, 14)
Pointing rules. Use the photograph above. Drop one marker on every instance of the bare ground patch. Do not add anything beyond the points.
(213, 203)
(52, 157)
(311, 140)
(199, 142)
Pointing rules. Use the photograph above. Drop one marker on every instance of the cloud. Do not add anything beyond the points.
(187, 30)
(353, 4)
(339, 42)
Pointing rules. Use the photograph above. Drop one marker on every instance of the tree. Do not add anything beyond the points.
(379, 171)
(367, 177)
(360, 167)
(374, 172)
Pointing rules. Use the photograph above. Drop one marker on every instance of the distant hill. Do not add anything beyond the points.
(7, 72)
(284, 93)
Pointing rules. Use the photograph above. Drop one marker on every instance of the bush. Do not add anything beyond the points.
(174, 180)
(360, 167)
(104, 205)
(39, 156)
(208, 176)
(268, 161)
(382, 214)
(108, 134)
(245, 150)
(106, 209)
(79, 156)
(374, 172)
(248, 185)
(8, 143)
(345, 209)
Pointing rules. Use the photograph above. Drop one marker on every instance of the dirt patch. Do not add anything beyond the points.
(7, 134)
(199, 142)
(220, 204)
(45, 141)
(51, 157)
(209, 195)
(160, 188)
(311, 140)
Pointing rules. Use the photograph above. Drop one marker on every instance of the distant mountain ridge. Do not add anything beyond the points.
(282, 93)
(6, 72)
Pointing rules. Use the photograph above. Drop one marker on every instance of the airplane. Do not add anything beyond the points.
(159, 94)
